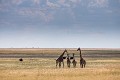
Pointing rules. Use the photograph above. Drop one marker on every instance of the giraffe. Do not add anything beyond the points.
(82, 61)
(68, 61)
(60, 59)
(74, 61)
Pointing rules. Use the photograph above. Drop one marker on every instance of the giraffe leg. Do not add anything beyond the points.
(63, 64)
(84, 63)
(59, 64)
(82, 66)
(75, 63)
(56, 63)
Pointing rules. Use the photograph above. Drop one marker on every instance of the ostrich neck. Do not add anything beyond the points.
(73, 55)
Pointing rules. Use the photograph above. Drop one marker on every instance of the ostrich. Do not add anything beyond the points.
(74, 61)
(20, 59)
(68, 61)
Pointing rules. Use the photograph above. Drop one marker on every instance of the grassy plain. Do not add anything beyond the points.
(99, 66)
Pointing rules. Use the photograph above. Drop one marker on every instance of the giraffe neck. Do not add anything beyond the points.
(80, 55)
(61, 56)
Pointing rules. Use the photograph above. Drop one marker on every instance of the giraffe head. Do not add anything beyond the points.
(65, 51)
(78, 49)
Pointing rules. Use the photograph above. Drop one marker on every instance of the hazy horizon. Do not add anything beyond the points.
(60, 23)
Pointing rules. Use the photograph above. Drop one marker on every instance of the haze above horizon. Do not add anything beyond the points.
(59, 23)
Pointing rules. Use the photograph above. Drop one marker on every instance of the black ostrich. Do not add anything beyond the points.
(21, 59)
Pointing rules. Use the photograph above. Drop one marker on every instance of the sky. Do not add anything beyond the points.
(59, 23)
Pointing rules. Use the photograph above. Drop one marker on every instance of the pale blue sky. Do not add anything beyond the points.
(60, 23)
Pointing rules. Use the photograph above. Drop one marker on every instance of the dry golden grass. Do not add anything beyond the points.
(61, 74)
(100, 68)
(44, 69)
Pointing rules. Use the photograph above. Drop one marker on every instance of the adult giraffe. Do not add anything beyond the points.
(61, 59)
(82, 61)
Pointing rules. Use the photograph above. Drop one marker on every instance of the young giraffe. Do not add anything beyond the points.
(68, 61)
(74, 61)
(60, 59)
(82, 61)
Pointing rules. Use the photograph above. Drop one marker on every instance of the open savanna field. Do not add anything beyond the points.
(39, 64)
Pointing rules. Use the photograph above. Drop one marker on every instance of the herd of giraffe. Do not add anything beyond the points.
(74, 62)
